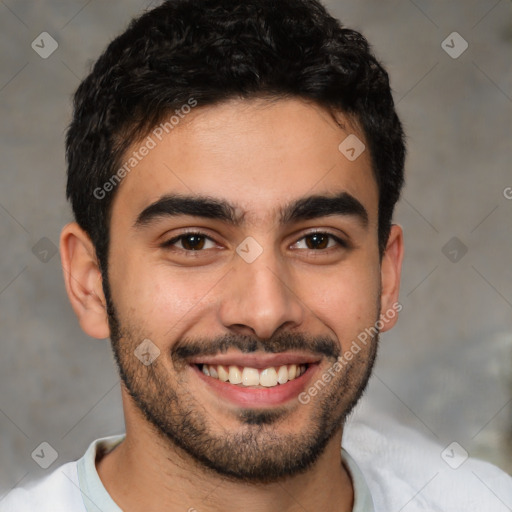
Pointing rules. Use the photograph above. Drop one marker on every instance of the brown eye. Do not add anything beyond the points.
(317, 241)
(193, 242)
(190, 242)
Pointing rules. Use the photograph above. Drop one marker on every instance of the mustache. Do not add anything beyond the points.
(187, 348)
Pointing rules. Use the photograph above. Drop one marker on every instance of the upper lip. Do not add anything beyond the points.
(256, 360)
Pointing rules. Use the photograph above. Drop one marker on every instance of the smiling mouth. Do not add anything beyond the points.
(245, 376)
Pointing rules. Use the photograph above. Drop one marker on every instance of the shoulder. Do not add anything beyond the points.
(65, 489)
(408, 471)
(58, 492)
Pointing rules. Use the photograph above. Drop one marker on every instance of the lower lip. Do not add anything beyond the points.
(258, 397)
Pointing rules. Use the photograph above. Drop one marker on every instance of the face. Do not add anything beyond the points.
(244, 252)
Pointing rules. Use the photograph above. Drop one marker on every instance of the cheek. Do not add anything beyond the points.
(159, 296)
(346, 301)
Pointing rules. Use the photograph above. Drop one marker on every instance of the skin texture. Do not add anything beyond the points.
(187, 445)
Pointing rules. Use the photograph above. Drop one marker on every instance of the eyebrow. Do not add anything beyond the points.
(304, 208)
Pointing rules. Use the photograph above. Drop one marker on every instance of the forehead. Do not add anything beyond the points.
(256, 154)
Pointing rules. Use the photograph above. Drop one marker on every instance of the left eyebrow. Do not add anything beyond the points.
(312, 207)
(305, 208)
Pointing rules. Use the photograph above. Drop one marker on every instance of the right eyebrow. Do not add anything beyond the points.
(197, 206)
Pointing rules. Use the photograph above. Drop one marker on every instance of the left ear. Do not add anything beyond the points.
(390, 272)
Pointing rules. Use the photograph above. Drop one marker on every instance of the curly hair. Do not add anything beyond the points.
(213, 51)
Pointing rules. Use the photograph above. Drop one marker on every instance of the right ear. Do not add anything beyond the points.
(83, 280)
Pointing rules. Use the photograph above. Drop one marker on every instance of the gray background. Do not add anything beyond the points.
(445, 369)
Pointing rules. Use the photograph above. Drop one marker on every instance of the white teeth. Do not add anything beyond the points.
(250, 377)
(247, 376)
(223, 374)
(268, 377)
(235, 377)
(282, 375)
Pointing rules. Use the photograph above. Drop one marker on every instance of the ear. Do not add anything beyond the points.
(83, 280)
(390, 272)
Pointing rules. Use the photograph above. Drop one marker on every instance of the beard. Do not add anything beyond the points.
(256, 452)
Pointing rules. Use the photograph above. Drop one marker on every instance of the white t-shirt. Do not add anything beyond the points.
(76, 487)
(393, 468)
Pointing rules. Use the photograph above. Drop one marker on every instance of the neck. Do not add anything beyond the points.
(145, 473)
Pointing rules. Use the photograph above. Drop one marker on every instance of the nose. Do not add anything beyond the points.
(259, 298)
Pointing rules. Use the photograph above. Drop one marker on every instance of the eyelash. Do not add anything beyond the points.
(169, 243)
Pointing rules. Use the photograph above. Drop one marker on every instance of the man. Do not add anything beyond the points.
(233, 170)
